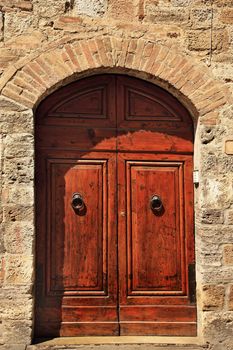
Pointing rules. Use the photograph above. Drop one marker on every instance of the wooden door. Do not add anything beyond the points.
(117, 258)
(156, 247)
(76, 290)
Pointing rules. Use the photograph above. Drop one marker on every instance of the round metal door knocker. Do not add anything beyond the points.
(156, 203)
(77, 201)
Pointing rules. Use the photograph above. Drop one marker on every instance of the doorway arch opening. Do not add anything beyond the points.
(122, 262)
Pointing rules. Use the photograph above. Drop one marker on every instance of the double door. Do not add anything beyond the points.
(115, 245)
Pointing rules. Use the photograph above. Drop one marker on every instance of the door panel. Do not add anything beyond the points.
(82, 103)
(162, 313)
(159, 328)
(77, 279)
(153, 249)
(79, 138)
(153, 141)
(73, 231)
(142, 105)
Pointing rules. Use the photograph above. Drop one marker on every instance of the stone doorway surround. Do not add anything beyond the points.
(34, 77)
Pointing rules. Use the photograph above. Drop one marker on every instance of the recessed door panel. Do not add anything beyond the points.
(78, 236)
(145, 106)
(87, 102)
(154, 233)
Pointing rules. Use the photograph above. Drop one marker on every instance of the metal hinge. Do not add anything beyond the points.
(192, 283)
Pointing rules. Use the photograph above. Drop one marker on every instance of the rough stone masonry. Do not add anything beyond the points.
(184, 46)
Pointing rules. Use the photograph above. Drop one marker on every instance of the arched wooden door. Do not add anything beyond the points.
(114, 194)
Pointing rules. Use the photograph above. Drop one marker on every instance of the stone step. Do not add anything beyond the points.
(116, 343)
(115, 347)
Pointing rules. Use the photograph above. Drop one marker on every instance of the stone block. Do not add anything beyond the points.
(220, 275)
(47, 9)
(227, 16)
(22, 290)
(230, 302)
(200, 40)
(223, 3)
(121, 9)
(228, 254)
(19, 237)
(25, 5)
(16, 122)
(229, 216)
(19, 137)
(27, 40)
(18, 213)
(166, 15)
(18, 195)
(17, 22)
(16, 308)
(8, 105)
(211, 258)
(17, 150)
(218, 328)
(201, 18)
(19, 269)
(14, 347)
(229, 147)
(212, 297)
(18, 171)
(215, 193)
(93, 8)
(17, 332)
(224, 72)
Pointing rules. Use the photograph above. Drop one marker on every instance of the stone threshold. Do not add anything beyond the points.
(121, 343)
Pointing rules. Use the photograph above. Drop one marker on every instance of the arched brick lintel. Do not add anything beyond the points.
(189, 79)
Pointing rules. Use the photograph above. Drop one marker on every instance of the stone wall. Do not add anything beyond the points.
(184, 46)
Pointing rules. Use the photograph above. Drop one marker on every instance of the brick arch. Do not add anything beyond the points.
(55, 67)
